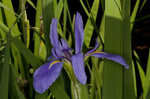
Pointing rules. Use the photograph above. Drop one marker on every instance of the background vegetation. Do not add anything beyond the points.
(119, 25)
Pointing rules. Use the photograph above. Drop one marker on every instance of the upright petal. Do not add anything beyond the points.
(115, 58)
(78, 67)
(64, 44)
(54, 34)
(45, 75)
(53, 52)
(79, 33)
(56, 52)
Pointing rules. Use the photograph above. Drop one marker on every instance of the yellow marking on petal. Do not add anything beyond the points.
(97, 51)
(54, 62)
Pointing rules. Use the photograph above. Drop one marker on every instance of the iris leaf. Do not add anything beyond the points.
(148, 94)
(58, 89)
(30, 58)
(129, 84)
(148, 68)
(112, 72)
(48, 12)
(10, 17)
(59, 9)
(89, 27)
(31, 3)
(39, 45)
(39, 24)
(134, 13)
(4, 81)
(13, 86)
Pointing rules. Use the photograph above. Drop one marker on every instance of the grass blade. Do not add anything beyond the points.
(4, 82)
(31, 3)
(148, 67)
(39, 46)
(17, 61)
(59, 9)
(38, 24)
(143, 4)
(85, 9)
(41, 96)
(148, 94)
(10, 17)
(30, 58)
(134, 13)
(48, 12)
(89, 27)
(13, 86)
(58, 89)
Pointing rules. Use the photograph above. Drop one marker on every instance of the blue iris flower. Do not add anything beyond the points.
(46, 74)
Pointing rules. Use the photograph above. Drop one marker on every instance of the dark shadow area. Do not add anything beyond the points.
(140, 34)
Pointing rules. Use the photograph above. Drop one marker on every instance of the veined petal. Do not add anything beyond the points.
(78, 67)
(79, 33)
(45, 75)
(53, 34)
(112, 57)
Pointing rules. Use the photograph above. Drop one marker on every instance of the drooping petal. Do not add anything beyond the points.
(79, 33)
(45, 75)
(113, 57)
(94, 49)
(50, 57)
(53, 34)
(78, 67)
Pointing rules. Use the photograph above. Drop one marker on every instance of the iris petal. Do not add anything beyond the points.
(64, 44)
(112, 57)
(94, 49)
(56, 52)
(45, 75)
(53, 52)
(50, 57)
(78, 67)
(53, 34)
(79, 33)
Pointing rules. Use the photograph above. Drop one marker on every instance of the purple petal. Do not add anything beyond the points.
(64, 44)
(45, 75)
(56, 52)
(112, 57)
(79, 33)
(78, 67)
(50, 57)
(53, 52)
(53, 34)
(94, 49)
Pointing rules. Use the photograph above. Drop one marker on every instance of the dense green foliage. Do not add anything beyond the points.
(24, 48)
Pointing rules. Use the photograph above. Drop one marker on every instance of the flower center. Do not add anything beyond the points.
(67, 54)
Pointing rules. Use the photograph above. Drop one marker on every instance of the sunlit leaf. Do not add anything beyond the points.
(89, 27)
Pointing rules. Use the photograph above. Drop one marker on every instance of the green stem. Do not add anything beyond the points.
(78, 90)
(75, 89)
